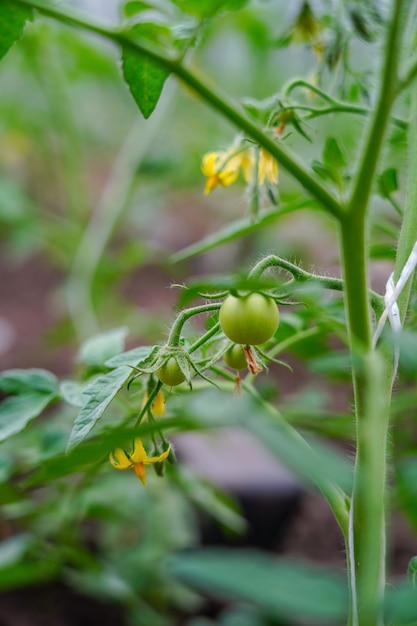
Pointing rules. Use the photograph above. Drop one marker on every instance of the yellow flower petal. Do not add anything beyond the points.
(221, 168)
(120, 460)
(139, 453)
(247, 163)
(157, 459)
(140, 472)
(159, 405)
(209, 163)
(267, 168)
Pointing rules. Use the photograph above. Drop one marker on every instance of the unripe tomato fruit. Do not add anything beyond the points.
(170, 373)
(250, 319)
(235, 357)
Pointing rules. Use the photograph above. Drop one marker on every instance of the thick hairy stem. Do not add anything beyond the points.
(367, 541)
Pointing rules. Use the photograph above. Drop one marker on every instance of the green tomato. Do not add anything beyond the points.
(170, 373)
(235, 357)
(249, 320)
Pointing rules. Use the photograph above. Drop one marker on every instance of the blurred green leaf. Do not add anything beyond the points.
(100, 393)
(73, 392)
(32, 391)
(97, 350)
(211, 500)
(17, 412)
(145, 77)
(131, 357)
(333, 156)
(317, 465)
(238, 229)
(208, 8)
(237, 282)
(12, 22)
(401, 604)
(387, 182)
(282, 588)
(134, 7)
(323, 171)
(23, 563)
(21, 381)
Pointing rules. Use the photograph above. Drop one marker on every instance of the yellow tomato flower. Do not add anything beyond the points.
(121, 460)
(220, 168)
(158, 405)
(267, 168)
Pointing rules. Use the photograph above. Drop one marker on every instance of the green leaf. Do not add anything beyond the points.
(387, 182)
(73, 392)
(317, 464)
(134, 7)
(208, 8)
(100, 393)
(333, 156)
(32, 391)
(26, 381)
(97, 350)
(12, 22)
(238, 229)
(17, 412)
(144, 76)
(323, 171)
(23, 562)
(131, 357)
(284, 589)
(401, 604)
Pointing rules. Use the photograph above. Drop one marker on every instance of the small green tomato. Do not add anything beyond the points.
(249, 320)
(235, 357)
(170, 373)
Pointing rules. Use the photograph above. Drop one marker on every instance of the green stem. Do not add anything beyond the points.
(220, 102)
(337, 106)
(301, 275)
(186, 314)
(386, 97)
(204, 338)
(367, 540)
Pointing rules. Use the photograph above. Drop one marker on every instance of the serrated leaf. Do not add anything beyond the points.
(97, 350)
(12, 22)
(20, 381)
(282, 588)
(131, 357)
(17, 411)
(73, 392)
(144, 76)
(101, 392)
(387, 182)
(333, 156)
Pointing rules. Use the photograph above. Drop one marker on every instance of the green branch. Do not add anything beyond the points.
(228, 108)
(336, 106)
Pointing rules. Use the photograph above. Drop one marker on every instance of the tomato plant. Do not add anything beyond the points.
(250, 320)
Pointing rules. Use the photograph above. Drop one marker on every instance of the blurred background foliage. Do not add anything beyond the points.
(98, 208)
